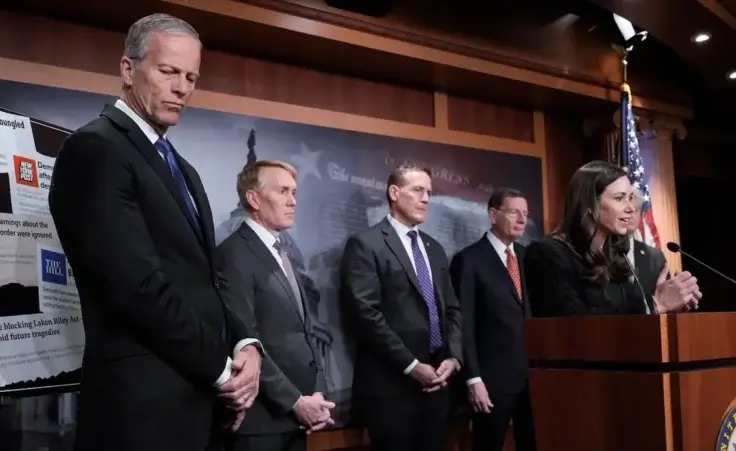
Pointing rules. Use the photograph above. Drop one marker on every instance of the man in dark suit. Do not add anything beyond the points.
(262, 284)
(399, 302)
(648, 262)
(489, 283)
(135, 224)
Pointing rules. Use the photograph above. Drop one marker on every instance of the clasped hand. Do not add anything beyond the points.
(240, 391)
(432, 379)
(313, 412)
(680, 293)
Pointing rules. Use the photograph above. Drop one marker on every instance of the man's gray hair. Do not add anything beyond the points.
(136, 43)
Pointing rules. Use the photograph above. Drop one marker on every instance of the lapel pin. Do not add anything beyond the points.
(641, 252)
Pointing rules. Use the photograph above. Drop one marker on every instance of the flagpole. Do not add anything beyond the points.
(629, 45)
(623, 118)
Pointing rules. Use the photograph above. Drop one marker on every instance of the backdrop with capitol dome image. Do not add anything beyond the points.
(341, 190)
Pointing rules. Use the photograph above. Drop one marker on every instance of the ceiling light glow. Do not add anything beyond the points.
(701, 38)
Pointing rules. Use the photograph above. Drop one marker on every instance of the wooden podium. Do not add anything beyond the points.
(633, 383)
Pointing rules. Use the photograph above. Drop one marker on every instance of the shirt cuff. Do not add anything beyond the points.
(227, 372)
(297, 402)
(473, 381)
(245, 342)
(411, 366)
(225, 376)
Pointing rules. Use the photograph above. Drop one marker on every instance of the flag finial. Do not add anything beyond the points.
(627, 89)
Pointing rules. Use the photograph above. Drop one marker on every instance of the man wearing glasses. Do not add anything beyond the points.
(489, 281)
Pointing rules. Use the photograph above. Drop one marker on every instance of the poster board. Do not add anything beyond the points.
(41, 332)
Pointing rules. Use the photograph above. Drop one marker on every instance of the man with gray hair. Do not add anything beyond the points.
(136, 226)
(647, 261)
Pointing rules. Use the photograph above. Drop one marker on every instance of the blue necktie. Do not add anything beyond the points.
(425, 283)
(164, 146)
(167, 150)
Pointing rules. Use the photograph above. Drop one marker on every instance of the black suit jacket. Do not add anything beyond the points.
(387, 313)
(258, 291)
(493, 317)
(557, 287)
(649, 263)
(152, 316)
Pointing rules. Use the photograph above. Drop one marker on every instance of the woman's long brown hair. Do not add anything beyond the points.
(581, 218)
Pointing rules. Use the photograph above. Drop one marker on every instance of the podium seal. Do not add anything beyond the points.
(727, 434)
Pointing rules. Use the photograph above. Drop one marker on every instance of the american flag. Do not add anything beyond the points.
(631, 159)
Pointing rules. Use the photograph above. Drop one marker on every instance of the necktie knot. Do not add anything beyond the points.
(413, 235)
(167, 151)
(163, 146)
(278, 245)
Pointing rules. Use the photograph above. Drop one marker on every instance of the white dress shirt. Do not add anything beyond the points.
(153, 136)
(500, 249)
(268, 238)
(403, 232)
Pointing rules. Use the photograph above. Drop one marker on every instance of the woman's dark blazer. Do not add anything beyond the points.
(556, 286)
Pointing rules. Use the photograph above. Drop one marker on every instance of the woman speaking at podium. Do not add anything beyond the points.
(582, 269)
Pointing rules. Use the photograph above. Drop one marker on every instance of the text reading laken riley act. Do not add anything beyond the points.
(37, 328)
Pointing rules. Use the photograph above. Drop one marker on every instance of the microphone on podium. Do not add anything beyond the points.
(674, 247)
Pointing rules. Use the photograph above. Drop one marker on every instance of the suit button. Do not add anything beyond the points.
(217, 284)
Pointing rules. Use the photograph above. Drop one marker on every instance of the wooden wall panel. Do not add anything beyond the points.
(472, 116)
(62, 44)
(701, 407)
(248, 77)
(565, 154)
(598, 400)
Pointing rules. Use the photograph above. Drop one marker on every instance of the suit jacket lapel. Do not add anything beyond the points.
(305, 316)
(641, 262)
(199, 195)
(639, 252)
(149, 152)
(436, 270)
(259, 250)
(501, 269)
(644, 271)
(397, 247)
(520, 251)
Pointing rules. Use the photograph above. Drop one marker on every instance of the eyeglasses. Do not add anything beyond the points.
(515, 212)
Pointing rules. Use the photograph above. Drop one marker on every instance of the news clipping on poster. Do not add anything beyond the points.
(41, 331)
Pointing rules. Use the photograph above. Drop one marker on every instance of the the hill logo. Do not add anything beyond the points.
(53, 269)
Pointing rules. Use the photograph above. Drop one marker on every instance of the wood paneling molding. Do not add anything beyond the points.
(60, 77)
(540, 134)
(371, 41)
(441, 111)
(469, 115)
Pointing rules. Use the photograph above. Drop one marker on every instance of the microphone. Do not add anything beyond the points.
(638, 284)
(674, 247)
